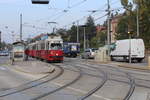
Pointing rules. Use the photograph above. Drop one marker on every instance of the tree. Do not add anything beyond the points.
(144, 16)
(90, 30)
(64, 34)
(3, 45)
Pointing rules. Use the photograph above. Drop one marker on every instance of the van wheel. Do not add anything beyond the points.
(125, 59)
(82, 57)
(112, 59)
(139, 60)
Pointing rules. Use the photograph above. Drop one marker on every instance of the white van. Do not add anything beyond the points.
(122, 47)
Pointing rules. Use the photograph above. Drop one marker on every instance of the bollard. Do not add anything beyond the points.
(149, 61)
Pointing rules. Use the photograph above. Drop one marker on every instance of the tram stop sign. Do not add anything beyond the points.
(40, 1)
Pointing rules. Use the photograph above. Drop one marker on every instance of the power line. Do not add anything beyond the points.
(83, 18)
(100, 17)
(64, 10)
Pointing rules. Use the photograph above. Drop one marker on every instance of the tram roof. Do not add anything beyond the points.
(18, 42)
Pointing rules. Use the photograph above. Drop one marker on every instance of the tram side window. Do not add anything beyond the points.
(56, 46)
(34, 47)
(47, 45)
(42, 46)
(39, 47)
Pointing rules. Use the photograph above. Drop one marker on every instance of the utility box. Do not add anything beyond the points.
(101, 55)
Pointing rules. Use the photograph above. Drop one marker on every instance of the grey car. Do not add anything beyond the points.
(89, 53)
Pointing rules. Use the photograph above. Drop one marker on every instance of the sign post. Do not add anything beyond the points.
(149, 61)
(130, 57)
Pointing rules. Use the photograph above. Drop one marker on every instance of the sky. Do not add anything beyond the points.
(36, 17)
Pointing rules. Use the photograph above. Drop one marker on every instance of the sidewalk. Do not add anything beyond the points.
(33, 67)
(139, 66)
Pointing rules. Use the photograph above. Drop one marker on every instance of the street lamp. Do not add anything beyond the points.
(78, 31)
(0, 40)
(84, 26)
(40, 1)
(137, 18)
(130, 58)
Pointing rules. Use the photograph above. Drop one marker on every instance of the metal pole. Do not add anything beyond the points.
(77, 31)
(0, 39)
(84, 40)
(108, 28)
(130, 59)
(20, 27)
(53, 30)
(137, 18)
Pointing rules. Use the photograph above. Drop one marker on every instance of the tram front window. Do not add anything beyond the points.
(56, 46)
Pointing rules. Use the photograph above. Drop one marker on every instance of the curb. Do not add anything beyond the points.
(133, 67)
(26, 72)
(123, 65)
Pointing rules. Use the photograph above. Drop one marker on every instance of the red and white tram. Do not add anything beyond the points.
(46, 47)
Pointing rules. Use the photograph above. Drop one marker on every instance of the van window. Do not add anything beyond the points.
(113, 46)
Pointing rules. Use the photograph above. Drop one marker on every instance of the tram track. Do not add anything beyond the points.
(128, 76)
(100, 85)
(21, 89)
(31, 84)
(60, 88)
(16, 90)
(131, 82)
(80, 70)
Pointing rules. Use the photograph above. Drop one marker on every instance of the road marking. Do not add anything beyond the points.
(81, 91)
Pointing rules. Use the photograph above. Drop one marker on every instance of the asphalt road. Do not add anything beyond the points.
(76, 79)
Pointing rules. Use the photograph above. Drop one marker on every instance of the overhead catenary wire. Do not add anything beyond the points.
(97, 10)
(92, 13)
(64, 10)
(59, 15)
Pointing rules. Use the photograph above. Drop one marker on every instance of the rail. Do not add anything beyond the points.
(30, 84)
(59, 88)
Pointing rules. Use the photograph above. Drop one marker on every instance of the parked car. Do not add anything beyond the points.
(4, 53)
(89, 53)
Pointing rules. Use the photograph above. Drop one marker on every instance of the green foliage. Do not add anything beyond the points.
(64, 35)
(3, 45)
(90, 31)
(128, 22)
(124, 3)
(93, 39)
